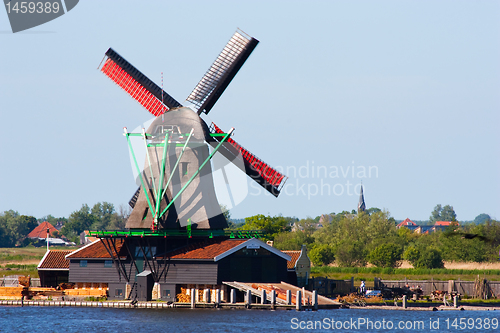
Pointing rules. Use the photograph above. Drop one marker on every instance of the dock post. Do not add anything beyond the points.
(315, 300)
(404, 302)
(289, 297)
(217, 298)
(249, 299)
(206, 296)
(273, 298)
(193, 298)
(298, 303)
(233, 296)
(455, 301)
(263, 297)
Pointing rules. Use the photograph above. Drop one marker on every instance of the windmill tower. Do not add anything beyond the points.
(177, 189)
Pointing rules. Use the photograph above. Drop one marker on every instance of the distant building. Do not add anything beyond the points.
(41, 230)
(407, 223)
(85, 238)
(325, 219)
(444, 223)
(361, 203)
(299, 266)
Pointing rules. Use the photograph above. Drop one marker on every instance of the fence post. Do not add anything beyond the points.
(217, 297)
(233, 296)
(249, 298)
(193, 299)
(206, 296)
(298, 299)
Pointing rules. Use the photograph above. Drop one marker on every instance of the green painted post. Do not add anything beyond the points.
(177, 162)
(138, 171)
(162, 173)
(149, 159)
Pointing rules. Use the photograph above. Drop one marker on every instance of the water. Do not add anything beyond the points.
(73, 319)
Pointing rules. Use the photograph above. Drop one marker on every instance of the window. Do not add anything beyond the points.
(108, 263)
(166, 293)
(184, 168)
(148, 251)
(83, 263)
(118, 292)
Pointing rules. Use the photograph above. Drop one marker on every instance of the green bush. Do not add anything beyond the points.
(321, 255)
(424, 257)
(386, 255)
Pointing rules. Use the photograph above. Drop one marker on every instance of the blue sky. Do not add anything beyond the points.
(407, 89)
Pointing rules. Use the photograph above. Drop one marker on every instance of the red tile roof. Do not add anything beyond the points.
(407, 222)
(206, 250)
(55, 259)
(97, 250)
(290, 264)
(41, 230)
(446, 223)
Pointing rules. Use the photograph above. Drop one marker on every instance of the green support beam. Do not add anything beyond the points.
(175, 232)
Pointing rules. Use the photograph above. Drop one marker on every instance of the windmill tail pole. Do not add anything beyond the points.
(48, 230)
(228, 134)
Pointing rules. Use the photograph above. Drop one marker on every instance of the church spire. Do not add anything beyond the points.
(361, 203)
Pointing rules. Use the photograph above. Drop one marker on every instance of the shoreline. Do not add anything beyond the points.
(163, 305)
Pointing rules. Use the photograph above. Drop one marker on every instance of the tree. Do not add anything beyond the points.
(14, 228)
(294, 240)
(272, 226)
(321, 255)
(373, 210)
(102, 214)
(445, 213)
(386, 255)
(78, 221)
(482, 218)
(423, 257)
(119, 219)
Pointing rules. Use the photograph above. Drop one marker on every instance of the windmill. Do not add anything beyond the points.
(176, 184)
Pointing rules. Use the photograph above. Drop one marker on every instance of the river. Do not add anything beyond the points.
(76, 319)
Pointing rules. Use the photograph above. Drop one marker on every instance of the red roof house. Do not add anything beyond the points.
(53, 269)
(444, 223)
(406, 223)
(41, 230)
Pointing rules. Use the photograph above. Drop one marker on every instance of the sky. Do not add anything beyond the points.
(401, 96)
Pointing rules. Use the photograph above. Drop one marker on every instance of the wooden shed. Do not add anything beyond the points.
(174, 265)
(53, 269)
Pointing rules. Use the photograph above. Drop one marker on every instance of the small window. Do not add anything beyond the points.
(83, 263)
(108, 263)
(184, 168)
(118, 292)
(166, 293)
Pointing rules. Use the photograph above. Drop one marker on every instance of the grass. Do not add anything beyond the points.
(22, 260)
(369, 273)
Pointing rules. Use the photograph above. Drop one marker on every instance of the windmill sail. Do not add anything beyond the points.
(222, 71)
(137, 85)
(268, 177)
